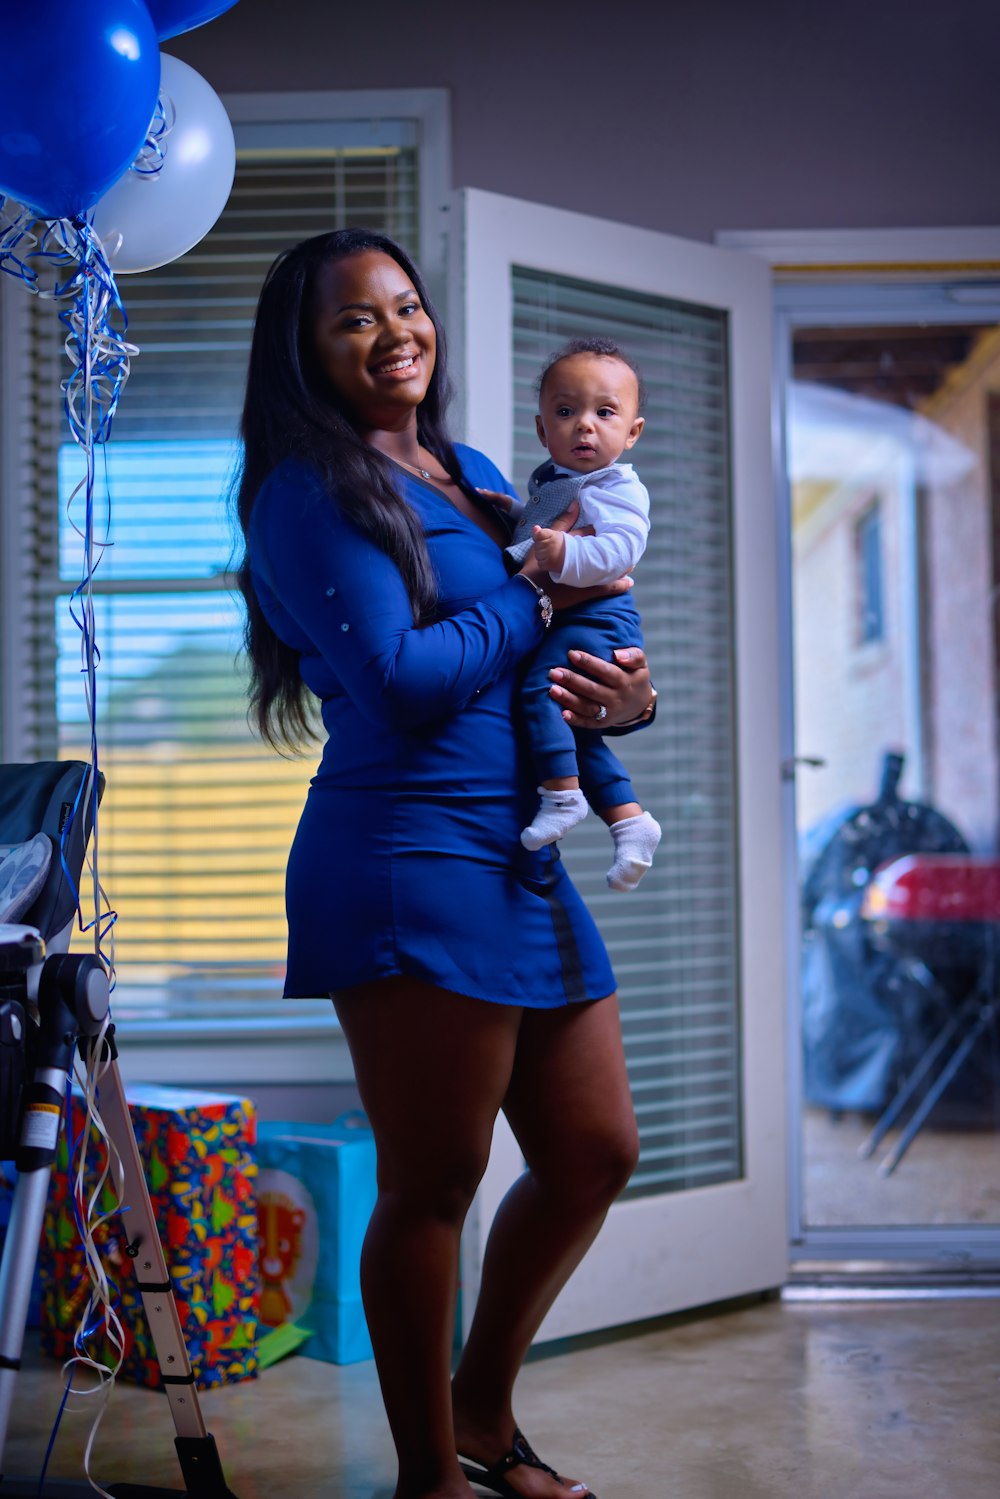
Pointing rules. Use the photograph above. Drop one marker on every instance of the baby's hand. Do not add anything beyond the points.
(550, 548)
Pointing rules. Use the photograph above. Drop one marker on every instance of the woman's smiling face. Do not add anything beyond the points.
(374, 341)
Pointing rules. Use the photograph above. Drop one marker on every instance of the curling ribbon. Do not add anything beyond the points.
(70, 255)
(149, 161)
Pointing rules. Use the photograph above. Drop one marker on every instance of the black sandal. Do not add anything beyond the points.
(519, 1456)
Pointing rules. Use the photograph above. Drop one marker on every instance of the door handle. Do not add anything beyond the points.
(815, 762)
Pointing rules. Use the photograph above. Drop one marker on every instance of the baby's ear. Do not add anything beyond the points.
(635, 431)
(540, 429)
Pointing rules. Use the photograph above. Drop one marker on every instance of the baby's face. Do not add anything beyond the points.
(588, 411)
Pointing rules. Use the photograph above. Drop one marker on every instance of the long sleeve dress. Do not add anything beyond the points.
(407, 857)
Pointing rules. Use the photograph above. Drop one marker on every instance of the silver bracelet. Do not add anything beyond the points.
(544, 602)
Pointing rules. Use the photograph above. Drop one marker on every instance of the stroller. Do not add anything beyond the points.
(49, 1005)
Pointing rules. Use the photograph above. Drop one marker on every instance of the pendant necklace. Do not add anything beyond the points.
(423, 472)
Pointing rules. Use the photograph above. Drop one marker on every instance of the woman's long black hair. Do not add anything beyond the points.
(292, 411)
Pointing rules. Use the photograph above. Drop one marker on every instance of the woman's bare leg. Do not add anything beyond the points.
(432, 1068)
(570, 1108)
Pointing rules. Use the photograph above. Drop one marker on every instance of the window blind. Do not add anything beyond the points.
(198, 815)
(674, 941)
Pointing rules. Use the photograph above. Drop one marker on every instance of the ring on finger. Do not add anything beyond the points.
(601, 714)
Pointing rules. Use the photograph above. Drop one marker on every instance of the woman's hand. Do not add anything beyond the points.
(496, 497)
(621, 686)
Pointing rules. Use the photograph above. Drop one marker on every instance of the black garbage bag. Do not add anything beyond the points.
(867, 1015)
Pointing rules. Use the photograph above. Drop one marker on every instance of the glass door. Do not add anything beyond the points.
(697, 950)
(892, 455)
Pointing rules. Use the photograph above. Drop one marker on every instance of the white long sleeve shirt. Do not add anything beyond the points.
(617, 506)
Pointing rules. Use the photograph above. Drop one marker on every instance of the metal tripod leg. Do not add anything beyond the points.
(20, 1252)
(196, 1450)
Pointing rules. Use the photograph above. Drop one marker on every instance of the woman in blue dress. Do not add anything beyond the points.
(466, 972)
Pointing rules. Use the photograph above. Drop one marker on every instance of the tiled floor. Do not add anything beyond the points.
(884, 1400)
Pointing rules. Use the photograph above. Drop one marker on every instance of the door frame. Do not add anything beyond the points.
(855, 276)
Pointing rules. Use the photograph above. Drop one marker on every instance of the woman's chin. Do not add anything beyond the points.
(377, 401)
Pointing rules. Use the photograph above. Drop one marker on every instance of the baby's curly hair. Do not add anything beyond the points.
(605, 347)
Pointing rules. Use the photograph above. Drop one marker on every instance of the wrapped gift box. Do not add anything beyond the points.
(315, 1194)
(197, 1150)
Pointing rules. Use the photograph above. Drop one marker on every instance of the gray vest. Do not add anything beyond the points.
(549, 494)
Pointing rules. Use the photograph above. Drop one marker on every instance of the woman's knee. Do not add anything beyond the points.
(594, 1169)
(436, 1185)
(616, 1157)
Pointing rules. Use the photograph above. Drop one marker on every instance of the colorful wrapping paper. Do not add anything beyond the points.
(315, 1193)
(198, 1153)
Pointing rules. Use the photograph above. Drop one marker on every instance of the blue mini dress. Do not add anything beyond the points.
(407, 857)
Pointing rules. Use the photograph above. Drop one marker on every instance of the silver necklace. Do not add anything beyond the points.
(423, 472)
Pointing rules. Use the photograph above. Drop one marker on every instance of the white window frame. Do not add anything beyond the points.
(291, 1043)
(429, 107)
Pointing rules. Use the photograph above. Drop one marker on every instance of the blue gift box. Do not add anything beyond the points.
(315, 1194)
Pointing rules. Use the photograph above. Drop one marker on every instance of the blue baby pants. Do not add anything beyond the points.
(599, 627)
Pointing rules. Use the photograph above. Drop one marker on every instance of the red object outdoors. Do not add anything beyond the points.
(934, 888)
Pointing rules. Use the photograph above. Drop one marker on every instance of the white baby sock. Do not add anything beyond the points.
(558, 811)
(635, 844)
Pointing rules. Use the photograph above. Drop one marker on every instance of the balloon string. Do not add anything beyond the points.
(20, 246)
(77, 272)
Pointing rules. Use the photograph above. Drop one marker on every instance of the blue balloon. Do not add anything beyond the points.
(171, 17)
(79, 81)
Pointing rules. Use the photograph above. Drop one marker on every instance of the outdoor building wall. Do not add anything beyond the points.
(850, 703)
(850, 699)
(965, 772)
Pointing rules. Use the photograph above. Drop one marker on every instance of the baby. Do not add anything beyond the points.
(589, 397)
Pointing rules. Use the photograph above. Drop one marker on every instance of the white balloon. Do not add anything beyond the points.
(147, 221)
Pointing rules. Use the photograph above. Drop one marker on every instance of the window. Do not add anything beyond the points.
(198, 815)
(868, 557)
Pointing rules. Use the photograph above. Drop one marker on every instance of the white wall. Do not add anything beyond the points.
(683, 116)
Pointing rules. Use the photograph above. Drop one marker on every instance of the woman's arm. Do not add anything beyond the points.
(348, 597)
